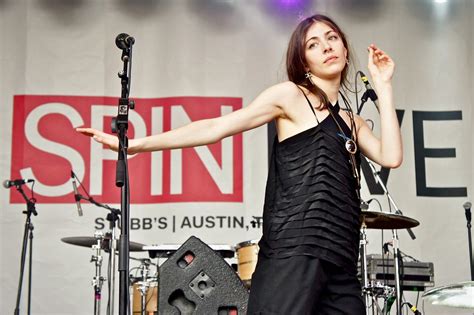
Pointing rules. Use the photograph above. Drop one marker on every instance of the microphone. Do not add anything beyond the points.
(413, 309)
(467, 209)
(124, 41)
(77, 197)
(369, 91)
(16, 182)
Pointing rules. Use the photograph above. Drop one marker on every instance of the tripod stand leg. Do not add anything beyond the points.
(30, 267)
(22, 265)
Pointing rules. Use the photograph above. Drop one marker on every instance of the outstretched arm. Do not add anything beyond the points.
(386, 151)
(263, 109)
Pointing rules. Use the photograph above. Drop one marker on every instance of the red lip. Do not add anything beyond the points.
(330, 58)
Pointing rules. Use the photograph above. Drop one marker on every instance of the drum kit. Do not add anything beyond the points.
(144, 283)
(144, 278)
(460, 295)
(371, 289)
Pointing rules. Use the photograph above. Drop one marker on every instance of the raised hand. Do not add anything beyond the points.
(381, 66)
(111, 141)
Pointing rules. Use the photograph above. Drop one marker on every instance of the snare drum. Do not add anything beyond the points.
(150, 287)
(247, 255)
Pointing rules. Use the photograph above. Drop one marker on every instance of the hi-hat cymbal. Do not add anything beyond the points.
(459, 295)
(386, 221)
(88, 241)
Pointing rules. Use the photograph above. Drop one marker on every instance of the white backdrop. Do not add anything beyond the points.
(219, 49)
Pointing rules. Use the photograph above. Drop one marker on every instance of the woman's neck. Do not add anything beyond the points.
(330, 87)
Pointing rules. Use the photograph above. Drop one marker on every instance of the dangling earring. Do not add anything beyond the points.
(309, 76)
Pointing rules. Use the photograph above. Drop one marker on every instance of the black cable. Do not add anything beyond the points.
(356, 91)
(80, 184)
(378, 202)
(129, 70)
(417, 297)
(33, 192)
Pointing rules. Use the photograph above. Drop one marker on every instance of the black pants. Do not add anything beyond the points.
(303, 285)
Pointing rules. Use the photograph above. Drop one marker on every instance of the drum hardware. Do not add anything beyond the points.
(88, 241)
(144, 286)
(106, 244)
(459, 295)
(395, 244)
(381, 220)
(386, 221)
(98, 279)
(377, 290)
(371, 289)
(365, 275)
(417, 276)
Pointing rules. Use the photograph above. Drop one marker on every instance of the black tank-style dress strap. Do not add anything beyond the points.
(311, 205)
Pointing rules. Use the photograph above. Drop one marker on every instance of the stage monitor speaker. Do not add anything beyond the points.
(196, 280)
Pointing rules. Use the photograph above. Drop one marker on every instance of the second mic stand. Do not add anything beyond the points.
(467, 210)
(112, 217)
(27, 234)
(396, 250)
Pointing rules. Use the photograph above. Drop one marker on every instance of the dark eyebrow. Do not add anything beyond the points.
(316, 37)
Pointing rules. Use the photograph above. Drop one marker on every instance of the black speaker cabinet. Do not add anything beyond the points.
(196, 280)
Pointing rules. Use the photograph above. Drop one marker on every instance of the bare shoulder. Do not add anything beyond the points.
(283, 93)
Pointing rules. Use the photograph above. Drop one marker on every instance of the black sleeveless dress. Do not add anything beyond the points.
(311, 214)
(311, 206)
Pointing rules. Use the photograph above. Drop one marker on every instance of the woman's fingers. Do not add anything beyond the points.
(101, 137)
(86, 131)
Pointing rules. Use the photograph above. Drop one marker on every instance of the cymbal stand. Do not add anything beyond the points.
(396, 251)
(112, 217)
(364, 276)
(143, 287)
(97, 280)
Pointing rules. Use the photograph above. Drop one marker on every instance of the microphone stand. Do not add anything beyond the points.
(467, 209)
(396, 250)
(28, 233)
(120, 126)
(112, 217)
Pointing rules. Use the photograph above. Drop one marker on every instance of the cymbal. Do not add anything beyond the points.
(460, 295)
(88, 241)
(386, 221)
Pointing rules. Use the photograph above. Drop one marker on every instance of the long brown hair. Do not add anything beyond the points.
(296, 60)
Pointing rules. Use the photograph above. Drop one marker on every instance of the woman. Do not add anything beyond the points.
(308, 252)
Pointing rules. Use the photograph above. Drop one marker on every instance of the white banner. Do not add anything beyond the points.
(201, 59)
